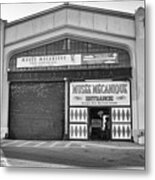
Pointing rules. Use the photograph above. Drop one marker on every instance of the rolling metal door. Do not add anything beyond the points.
(36, 111)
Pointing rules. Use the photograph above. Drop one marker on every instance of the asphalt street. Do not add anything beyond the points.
(72, 154)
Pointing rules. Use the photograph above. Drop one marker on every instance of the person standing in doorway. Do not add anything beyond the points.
(107, 128)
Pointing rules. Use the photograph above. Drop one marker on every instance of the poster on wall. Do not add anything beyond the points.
(100, 93)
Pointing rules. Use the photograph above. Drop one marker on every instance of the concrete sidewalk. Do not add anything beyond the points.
(71, 154)
(113, 144)
(72, 144)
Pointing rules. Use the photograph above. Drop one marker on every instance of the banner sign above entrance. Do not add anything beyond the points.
(66, 60)
(108, 93)
(44, 61)
(104, 58)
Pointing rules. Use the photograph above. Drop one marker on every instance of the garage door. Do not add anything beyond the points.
(36, 111)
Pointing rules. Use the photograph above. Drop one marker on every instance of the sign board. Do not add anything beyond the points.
(44, 61)
(66, 60)
(104, 58)
(100, 93)
(96, 123)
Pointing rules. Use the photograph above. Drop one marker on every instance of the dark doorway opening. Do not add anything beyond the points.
(99, 123)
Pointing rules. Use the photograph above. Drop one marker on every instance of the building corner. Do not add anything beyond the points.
(140, 60)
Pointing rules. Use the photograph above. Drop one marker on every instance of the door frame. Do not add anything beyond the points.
(89, 123)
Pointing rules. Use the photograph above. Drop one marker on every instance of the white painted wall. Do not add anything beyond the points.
(140, 60)
(83, 35)
(106, 29)
(78, 18)
(2, 35)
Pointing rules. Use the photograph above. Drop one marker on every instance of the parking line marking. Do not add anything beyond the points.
(115, 147)
(23, 144)
(10, 143)
(53, 144)
(68, 144)
(83, 146)
(3, 159)
(39, 144)
(132, 168)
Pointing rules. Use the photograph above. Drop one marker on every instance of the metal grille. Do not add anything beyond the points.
(78, 123)
(121, 123)
(69, 46)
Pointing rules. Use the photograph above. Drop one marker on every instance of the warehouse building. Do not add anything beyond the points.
(73, 73)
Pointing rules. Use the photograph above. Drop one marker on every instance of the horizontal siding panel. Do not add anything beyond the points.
(73, 17)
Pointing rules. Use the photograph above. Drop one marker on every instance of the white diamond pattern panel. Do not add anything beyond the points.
(78, 115)
(121, 115)
(78, 131)
(121, 131)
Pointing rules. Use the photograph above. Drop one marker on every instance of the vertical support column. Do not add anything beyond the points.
(66, 108)
(2, 38)
(140, 27)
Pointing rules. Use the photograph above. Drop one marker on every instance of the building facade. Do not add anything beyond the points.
(73, 72)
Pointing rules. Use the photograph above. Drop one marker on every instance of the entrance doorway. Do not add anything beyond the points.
(100, 123)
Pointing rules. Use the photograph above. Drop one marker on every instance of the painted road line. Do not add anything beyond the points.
(80, 144)
(39, 144)
(67, 145)
(83, 146)
(115, 147)
(54, 144)
(29, 163)
(131, 168)
(23, 144)
(3, 159)
(4, 162)
(74, 145)
(10, 143)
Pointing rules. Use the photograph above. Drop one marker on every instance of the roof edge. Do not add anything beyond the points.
(73, 6)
